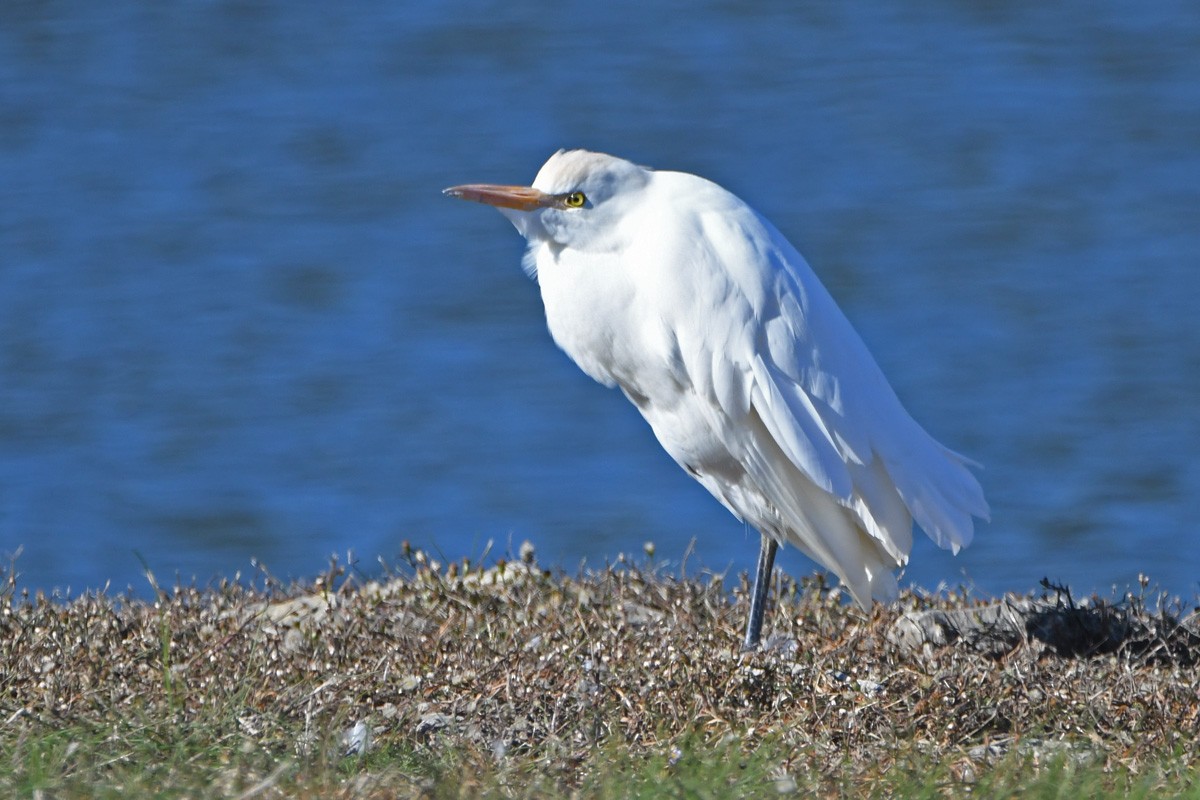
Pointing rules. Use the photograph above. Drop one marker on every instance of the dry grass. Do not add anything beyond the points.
(515, 680)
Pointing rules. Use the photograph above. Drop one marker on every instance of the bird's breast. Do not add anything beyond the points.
(614, 326)
(597, 315)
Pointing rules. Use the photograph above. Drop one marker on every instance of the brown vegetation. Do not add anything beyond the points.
(514, 662)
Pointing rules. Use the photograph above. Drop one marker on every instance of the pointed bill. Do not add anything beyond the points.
(522, 198)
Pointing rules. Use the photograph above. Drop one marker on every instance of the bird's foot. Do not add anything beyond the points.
(778, 645)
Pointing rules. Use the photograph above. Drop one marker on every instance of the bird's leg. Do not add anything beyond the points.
(762, 586)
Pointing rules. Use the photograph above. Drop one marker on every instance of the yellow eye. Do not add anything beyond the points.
(575, 200)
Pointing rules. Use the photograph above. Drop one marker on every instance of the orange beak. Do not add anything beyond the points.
(522, 198)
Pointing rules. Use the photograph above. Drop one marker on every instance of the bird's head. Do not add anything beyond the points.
(578, 200)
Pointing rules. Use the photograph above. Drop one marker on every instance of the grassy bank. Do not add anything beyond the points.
(459, 682)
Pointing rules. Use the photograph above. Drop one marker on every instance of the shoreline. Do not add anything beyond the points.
(512, 667)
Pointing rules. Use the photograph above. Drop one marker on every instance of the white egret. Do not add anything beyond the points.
(713, 325)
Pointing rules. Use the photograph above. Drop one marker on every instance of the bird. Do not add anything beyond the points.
(669, 287)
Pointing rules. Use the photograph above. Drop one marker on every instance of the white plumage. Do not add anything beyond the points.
(713, 325)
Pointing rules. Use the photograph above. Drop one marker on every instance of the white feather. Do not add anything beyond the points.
(751, 377)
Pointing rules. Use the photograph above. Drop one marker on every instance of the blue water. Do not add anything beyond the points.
(239, 321)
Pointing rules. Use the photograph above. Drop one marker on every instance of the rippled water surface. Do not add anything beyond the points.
(238, 320)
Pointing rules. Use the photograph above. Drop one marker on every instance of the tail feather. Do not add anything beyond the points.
(942, 494)
(862, 540)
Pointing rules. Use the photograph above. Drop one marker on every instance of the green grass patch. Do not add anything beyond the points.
(199, 762)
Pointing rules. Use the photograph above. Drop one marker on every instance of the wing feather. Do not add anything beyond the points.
(789, 415)
(822, 398)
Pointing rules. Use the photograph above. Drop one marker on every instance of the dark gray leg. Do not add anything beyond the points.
(762, 586)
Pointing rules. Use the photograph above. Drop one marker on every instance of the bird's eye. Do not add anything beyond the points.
(575, 200)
